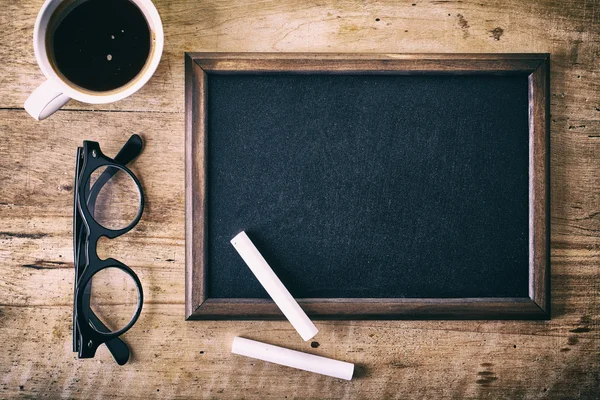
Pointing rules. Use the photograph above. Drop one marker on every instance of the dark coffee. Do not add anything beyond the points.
(102, 44)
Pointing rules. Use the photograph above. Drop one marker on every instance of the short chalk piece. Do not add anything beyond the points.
(292, 358)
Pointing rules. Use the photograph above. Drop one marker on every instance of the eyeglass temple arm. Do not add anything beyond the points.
(116, 346)
(77, 243)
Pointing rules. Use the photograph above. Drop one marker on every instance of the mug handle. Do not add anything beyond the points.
(45, 100)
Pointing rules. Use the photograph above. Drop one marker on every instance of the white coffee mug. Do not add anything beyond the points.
(57, 90)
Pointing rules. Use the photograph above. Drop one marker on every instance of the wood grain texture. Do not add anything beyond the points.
(378, 309)
(195, 148)
(539, 178)
(397, 359)
(535, 66)
(342, 63)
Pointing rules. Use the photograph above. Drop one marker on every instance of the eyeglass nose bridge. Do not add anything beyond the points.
(92, 248)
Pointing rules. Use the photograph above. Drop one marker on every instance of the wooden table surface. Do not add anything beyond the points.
(397, 359)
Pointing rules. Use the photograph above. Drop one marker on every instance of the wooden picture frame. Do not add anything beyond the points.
(536, 306)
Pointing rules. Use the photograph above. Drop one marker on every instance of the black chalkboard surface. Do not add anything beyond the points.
(368, 186)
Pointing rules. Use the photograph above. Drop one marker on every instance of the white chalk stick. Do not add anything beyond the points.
(292, 358)
(273, 286)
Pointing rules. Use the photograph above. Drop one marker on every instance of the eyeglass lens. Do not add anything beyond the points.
(114, 199)
(113, 298)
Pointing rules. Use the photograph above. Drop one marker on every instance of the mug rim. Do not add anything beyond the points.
(68, 88)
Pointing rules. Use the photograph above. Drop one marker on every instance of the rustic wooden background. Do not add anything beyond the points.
(397, 359)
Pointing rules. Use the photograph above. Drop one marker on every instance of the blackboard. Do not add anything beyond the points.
(369, 187)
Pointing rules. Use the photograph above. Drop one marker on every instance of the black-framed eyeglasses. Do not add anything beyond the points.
(108, 295)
